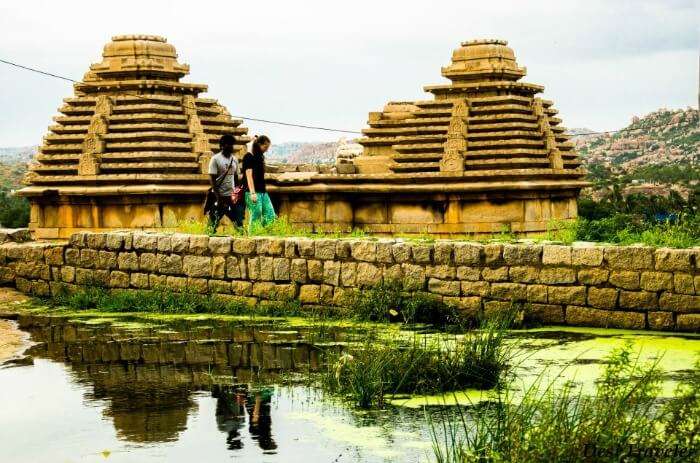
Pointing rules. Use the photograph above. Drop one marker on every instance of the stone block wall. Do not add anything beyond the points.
(632, 287)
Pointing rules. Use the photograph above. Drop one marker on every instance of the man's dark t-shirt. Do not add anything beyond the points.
(257, 163)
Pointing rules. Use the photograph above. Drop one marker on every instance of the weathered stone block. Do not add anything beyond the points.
(557, 275)
(566, 295)
(158, 281)
(199, 244)
(556, 255)
(681, 303)
(401, 252)
(674, 260)
(688, 322)
(164, 243)
(445, 288)
(624, 279)
(285, 292)
(602, 298)
(315, 270)
(593, 276)
(343, 249)
(509, 291)
(368, 275)
(305, 247)
(297, 271)
(495, 274)
(148, 262)
(442, 252)
(290, 248)
(475, 288)
(422, 253)
(587, 256)
(106, 260)
(468, 273)
(233, 267)
(393, 274)
(348, 273)
(537, 293)
(218, 267)
(72, 256)
(119, 279)
(196, 266)
(324, 249)
(413, 277)
(364, 250)
(241, 288)
(171, 264)
(641, 300)
(544, 313)
(40, 288)
(496, 308)
(443, 272)
(88, 258)
(493, 254)
(468, 253)
(630, 257)
(243, 246)
(220, 244)
(219, 286)
(331, 273)
(522, 254)
(253, 268)
(128, 261)
(263, 289)
(683, 283)
(584, 316)
(524, 274)
(180, 243)
(145, 241)
(139, 280)
(96, 240)
(326, 294)
(281, 269)
(54, 255)
(198, 285)
(660, 321)
(275, 246)
(384, 254)
(78, 240)
(309, 294)
(267, 268)
(67, 274)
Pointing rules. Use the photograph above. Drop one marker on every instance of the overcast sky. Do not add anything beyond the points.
(330, 62)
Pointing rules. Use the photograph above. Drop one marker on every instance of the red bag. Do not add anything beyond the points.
(237, 194)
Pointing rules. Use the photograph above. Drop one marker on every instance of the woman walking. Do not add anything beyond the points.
(257, 201)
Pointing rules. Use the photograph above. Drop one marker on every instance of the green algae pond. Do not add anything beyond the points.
(145, 387)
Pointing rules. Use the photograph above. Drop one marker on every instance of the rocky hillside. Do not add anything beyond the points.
(663, 146)
(13, 165)
(302, 153)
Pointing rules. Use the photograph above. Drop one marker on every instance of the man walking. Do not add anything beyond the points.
(223, 169)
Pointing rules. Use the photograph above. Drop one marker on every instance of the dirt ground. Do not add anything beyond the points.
(12, 340)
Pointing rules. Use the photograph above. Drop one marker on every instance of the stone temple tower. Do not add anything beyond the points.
(130, 149)
(484, 154)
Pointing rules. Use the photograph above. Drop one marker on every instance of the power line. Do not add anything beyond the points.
(266, 121)
(291, 124)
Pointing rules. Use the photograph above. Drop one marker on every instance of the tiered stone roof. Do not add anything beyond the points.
(485, 125)
(132, 127)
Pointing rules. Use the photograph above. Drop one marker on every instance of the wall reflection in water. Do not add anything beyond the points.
(146, 378)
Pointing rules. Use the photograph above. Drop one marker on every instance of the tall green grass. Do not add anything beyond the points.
(625, 229)
(365, 373)
(553, 425)
(278, 227)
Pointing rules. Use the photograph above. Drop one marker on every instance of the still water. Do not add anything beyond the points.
(122, 390)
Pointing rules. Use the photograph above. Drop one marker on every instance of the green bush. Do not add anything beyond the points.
(14, 210)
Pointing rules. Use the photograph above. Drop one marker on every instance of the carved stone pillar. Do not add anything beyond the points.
(200, 141)
(553, 153)
(456, 144)
(93, 144)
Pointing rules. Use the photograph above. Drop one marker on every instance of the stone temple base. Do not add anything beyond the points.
(439, 215)
(59, 217)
